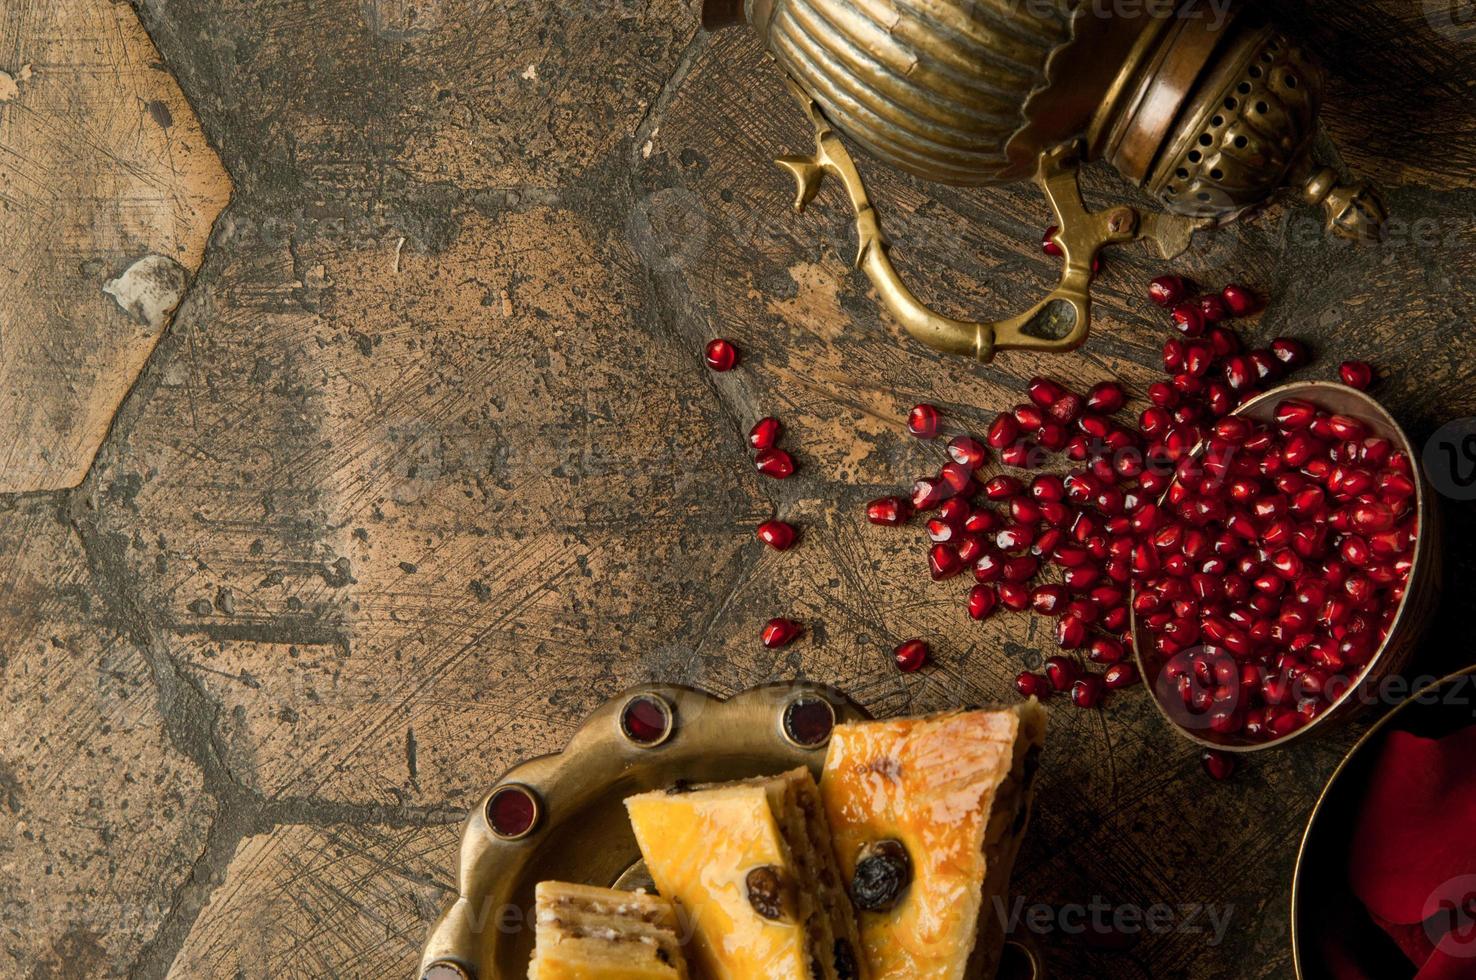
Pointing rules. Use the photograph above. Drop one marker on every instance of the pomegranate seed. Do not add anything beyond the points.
(888, 511)
(1048, 600)
(1032, 685)
(1106, 398)
(774, 463)
(1188, 319)
(944, 562)
(957, 476)
(1014, 596)
(1071, 633)
(1003, 431)
(928, 493)
(922, 421)
(1029, 416)
(1167, 291)
(721, 355)
(1044, 392)
(1356, 374)
(1062, 672)
(1087, 692)
(1003, 488)
(1213, 308)
(967, 451)
(780, 632)
(777, 535)
(1219, 765)
(1295, 414)
(1292, 353)
(1048, 242)
(971, 547)
(1105, 650)
(1120, 675)
(982, 602)
(1240, 300)
(1021, 568)
(954, 511)
(1066, 408)
(981, 521)
(911, 656)
(1240, 373)
(765, 433)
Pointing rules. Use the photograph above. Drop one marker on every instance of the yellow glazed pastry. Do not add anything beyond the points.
(927, 815)
(752, 870)
(588, 933)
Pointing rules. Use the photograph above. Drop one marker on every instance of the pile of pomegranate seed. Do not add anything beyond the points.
(1275, 568)
(1209, 553)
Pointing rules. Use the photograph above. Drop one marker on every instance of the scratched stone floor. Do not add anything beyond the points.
(426, 466)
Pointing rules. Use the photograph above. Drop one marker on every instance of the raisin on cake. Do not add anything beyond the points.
(927, 815)
(752, 869)
(588, 933)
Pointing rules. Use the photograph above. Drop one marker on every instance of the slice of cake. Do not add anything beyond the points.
(752, 869)
(927, 815)
(588, 933)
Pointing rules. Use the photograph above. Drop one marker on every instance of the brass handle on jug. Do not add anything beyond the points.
(1060, 321)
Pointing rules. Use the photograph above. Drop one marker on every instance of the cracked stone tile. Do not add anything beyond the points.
(110, 191)
(432, 507)
(466, 96)
(340, 900)
(102, 817)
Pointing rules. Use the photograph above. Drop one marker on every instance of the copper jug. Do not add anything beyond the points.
(1204, 103)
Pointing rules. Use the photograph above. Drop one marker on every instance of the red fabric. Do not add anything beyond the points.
(1413, 860)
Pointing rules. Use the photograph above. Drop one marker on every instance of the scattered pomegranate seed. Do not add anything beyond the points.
(1087, 692)
(944, 562)
(1356, 374)
(889, 511)
(1048, 242)
(922, 421)
(765, 433)
(774, 463)
(1062, 672)
(779, 632)
(777, 535)
(1188, 319)
(1240, 300)
(911, 656)
(1219, 765)
(1292, 353)
(1119, 676)
(721, 355)
(1106, 398)
(983, 600)
(967, 451)
(1167, 291)
(1032, 685)
(1213, 308)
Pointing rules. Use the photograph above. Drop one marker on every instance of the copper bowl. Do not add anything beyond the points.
(1415, 610)
(1433, 711)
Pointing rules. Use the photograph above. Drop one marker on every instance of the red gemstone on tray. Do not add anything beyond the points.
(911, 656)
(808, 721)
(765, 433)
(722, 354)
(512, 811)
(646, 719)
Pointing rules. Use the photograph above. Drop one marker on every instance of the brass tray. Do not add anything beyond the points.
(563, 817)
